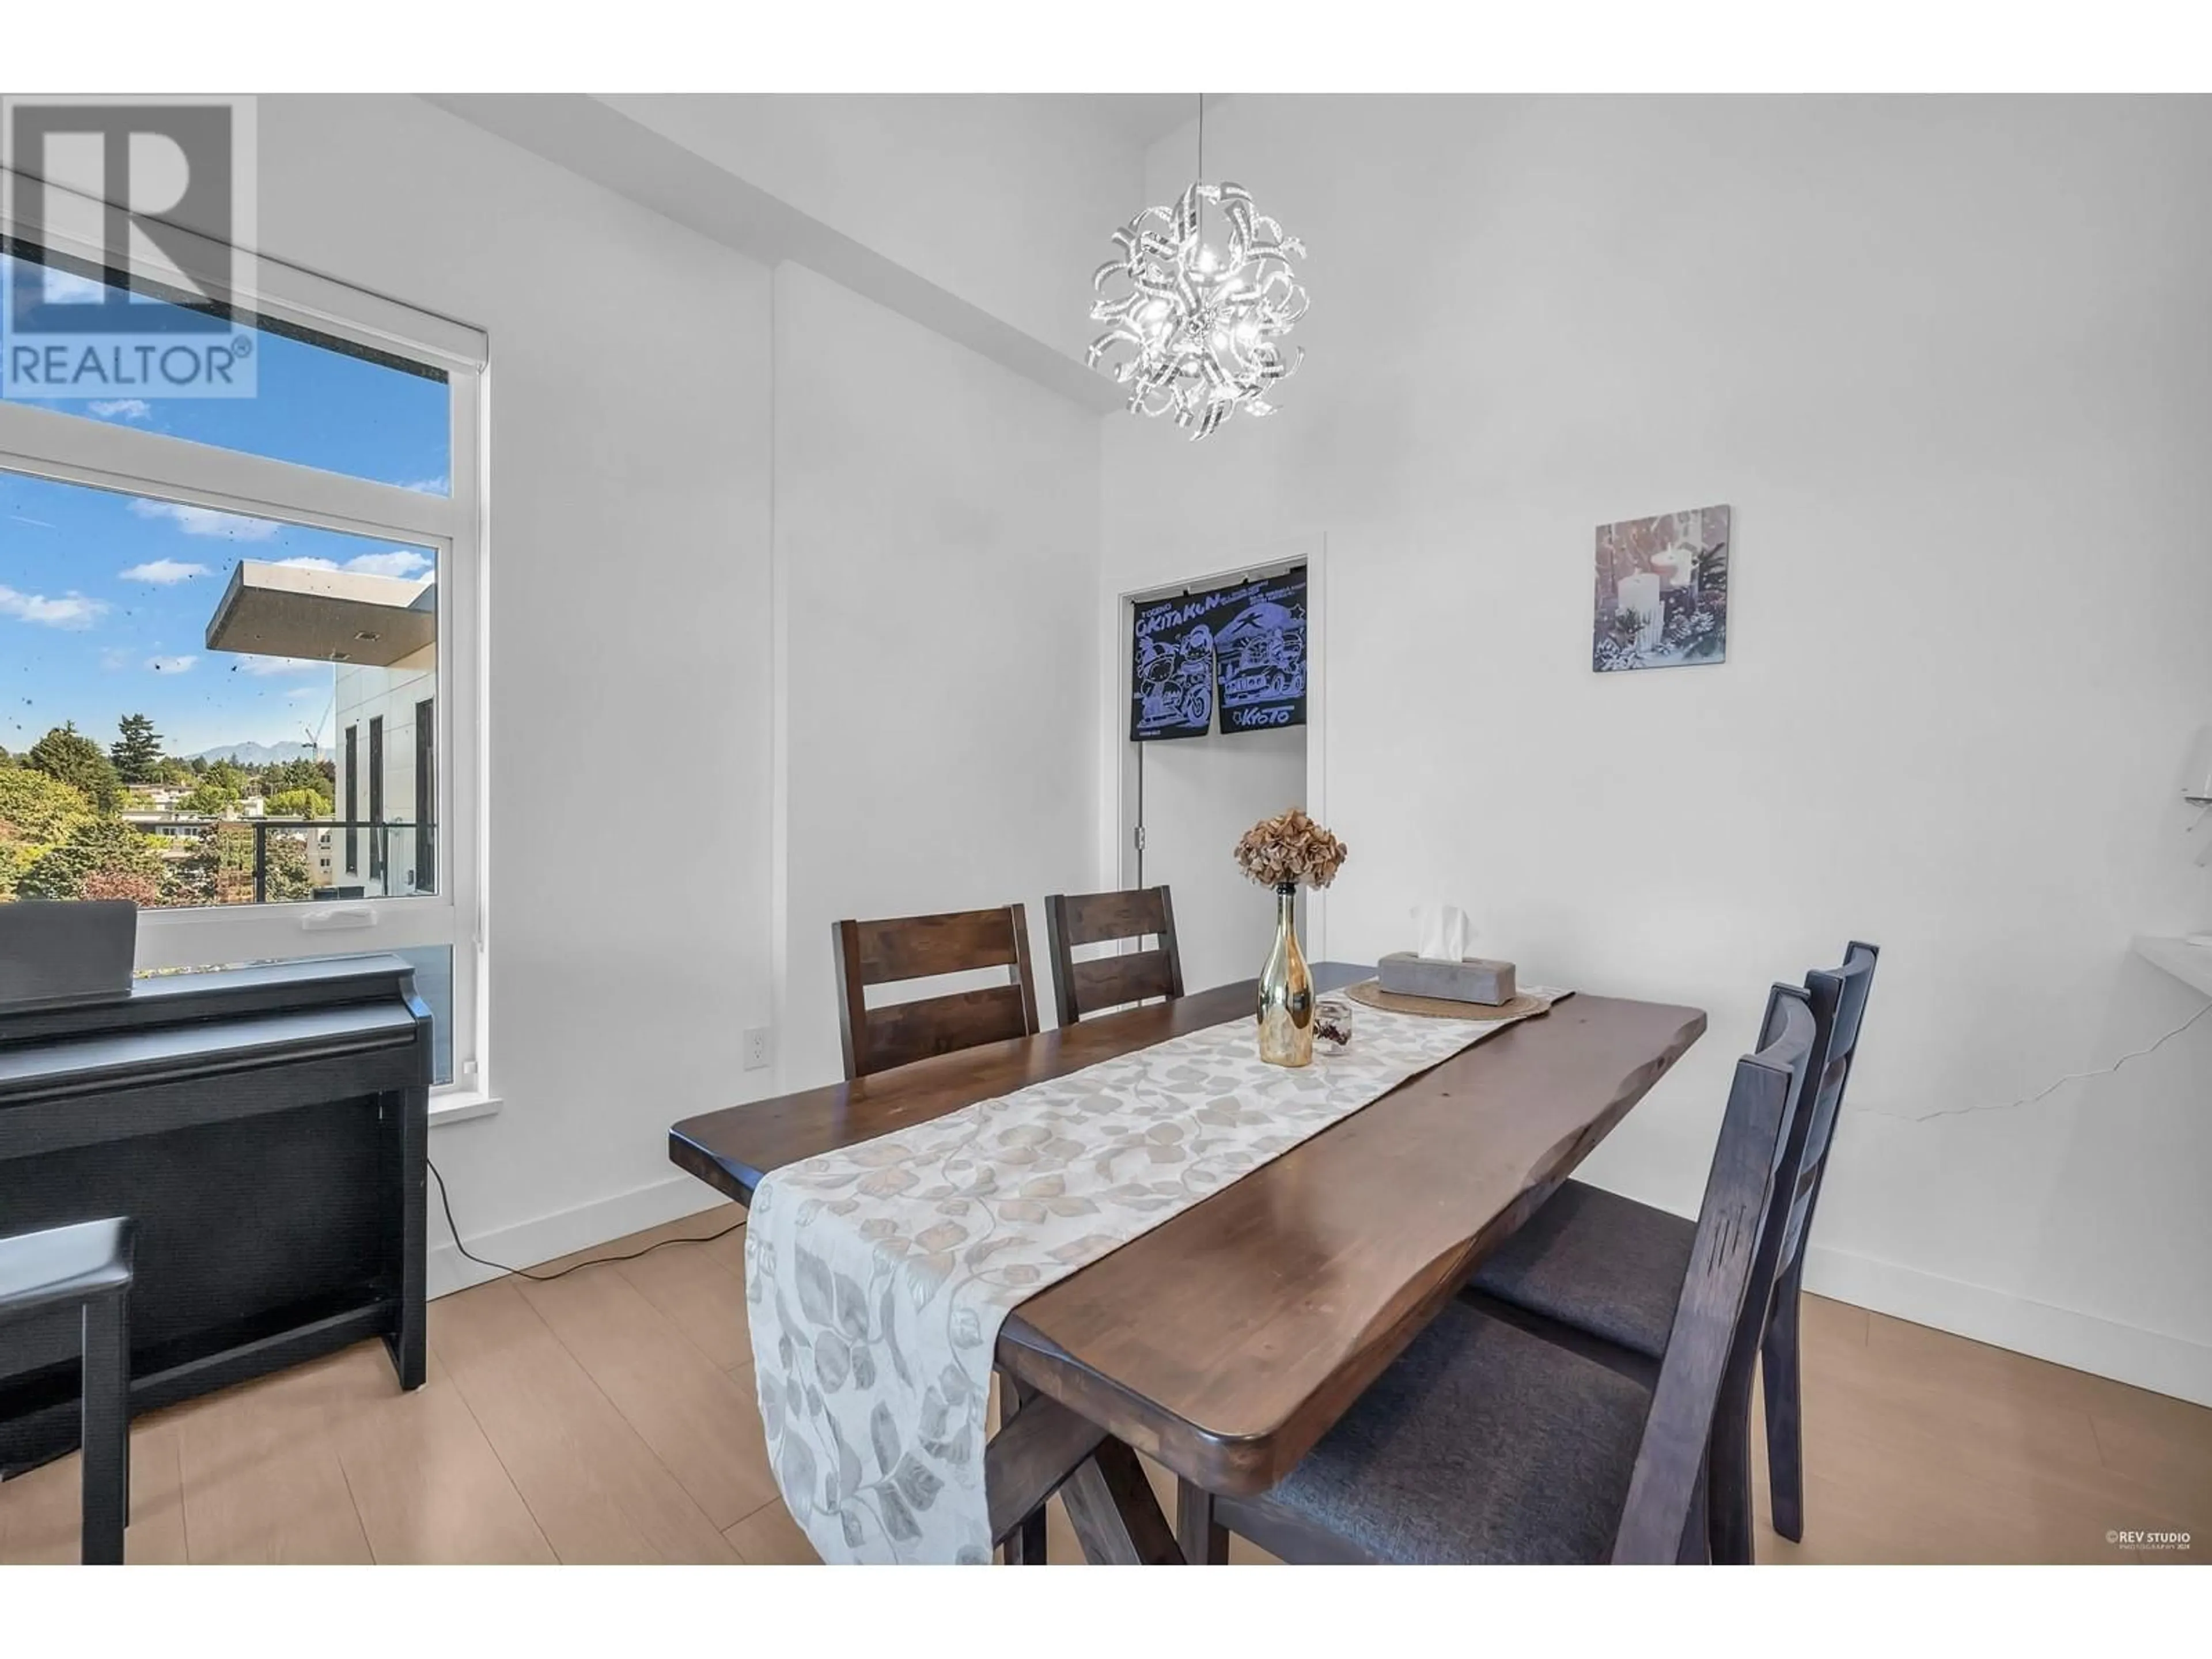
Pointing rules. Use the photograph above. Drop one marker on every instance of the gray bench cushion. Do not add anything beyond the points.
(63, 1266)
(1482, 1443)
(1597, 1261)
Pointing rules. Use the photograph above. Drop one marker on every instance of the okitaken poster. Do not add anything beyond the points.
(1171, 671)
(1247, 642)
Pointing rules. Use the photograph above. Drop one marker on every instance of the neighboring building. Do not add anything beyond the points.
(177, 827)
(381, 634)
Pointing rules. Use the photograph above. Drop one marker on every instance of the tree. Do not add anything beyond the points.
(34, 807)
(137, 752)
(174, 773)
(67, 753)
(285, 775)
(142, 889)
(219, 869)
(299, 803)
(100, 850)
(35, 813)
(209, 800)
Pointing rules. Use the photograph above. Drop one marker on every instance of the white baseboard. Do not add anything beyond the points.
(2148, 1359)
(528, 1243)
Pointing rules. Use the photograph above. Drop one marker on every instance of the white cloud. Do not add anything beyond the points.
(303, 692)
(399, 561)
(264, 666)
(114, 657)
(436, 486)
(121, 409)
(206, 522)
(70, 610)
(170, 664)
(164, 573)
(66, 287)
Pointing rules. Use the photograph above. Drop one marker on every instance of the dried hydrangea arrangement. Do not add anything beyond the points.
(1289, 848)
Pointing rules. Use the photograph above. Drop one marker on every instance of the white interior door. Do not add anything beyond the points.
(1200, 795)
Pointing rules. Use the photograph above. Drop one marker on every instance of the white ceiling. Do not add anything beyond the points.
(1137, 118)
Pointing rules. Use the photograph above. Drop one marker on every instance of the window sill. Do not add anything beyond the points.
(460, 1106)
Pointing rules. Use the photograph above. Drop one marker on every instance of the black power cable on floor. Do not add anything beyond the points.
(447, 1204)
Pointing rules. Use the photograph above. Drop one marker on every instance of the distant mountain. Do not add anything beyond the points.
(261, 754)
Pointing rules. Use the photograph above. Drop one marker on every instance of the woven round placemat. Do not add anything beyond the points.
(1371, 992)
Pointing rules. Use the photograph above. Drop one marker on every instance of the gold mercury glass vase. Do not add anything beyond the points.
(1286, 992)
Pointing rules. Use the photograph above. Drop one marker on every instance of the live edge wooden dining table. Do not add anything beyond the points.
(1226, 1341)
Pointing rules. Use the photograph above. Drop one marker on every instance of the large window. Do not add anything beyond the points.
(238, 649)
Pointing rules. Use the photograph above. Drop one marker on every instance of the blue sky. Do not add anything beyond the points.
(105, 598)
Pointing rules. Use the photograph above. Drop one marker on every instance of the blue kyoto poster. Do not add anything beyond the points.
(1260, 655)
(1243, 644)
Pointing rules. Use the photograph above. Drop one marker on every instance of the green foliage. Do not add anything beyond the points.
(35, 813)
(102, 851)
(136, 754)
(174, 773)
(291, 879)
(299, 803)
(67, 753)
(228, 775)
(209, 800)
(219, 869)
(283, 777)
(34, 807)
(15, 857)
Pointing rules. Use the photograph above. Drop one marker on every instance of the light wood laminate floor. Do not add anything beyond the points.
(608, 1417)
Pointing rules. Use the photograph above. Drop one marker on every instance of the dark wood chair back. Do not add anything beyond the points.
(1722, 1314)
(922, 947)
(1839, 1000)
(1071, 920)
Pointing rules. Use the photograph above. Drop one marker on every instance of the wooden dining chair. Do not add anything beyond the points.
(1604, 1273)
(922, 947)
(1839, 1000)
(1484, 1443)
(1072, 919)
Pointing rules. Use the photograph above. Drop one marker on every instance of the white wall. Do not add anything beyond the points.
(1006, 200)
(1200, 794)
(763, 556)
(937, 545)
(629, 601)
(1949, 360)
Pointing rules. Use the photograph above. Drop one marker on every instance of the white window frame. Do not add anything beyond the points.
(78, 449)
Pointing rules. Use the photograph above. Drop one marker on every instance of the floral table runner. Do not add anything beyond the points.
(877, 1275)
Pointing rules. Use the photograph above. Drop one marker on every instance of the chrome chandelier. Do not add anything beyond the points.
(1196, 331)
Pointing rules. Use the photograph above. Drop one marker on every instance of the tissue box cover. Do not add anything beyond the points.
(1475, 979)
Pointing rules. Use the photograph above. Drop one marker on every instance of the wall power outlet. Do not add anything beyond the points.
(757, 1047)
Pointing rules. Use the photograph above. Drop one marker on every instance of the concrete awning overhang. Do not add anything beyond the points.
(330, 615)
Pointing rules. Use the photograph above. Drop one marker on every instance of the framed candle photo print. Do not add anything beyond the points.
(1662, 590)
